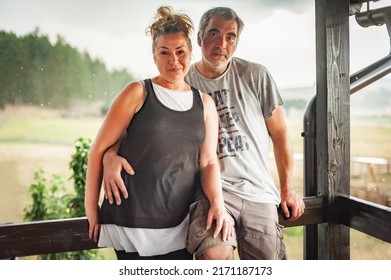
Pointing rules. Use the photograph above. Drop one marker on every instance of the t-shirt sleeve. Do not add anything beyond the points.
(269, 94)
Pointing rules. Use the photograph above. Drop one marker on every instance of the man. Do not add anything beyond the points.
(250, 114)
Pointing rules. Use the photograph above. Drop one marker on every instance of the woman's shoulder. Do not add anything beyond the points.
(134, 89)
(208, 101)
(134, 86)
(133, 93)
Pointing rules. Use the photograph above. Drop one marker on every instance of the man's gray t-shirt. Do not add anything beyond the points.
(245, 96)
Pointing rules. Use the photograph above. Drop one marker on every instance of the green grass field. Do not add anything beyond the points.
(48, 130)
(32, 138)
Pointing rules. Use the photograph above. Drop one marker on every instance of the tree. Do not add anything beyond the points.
(36, 72)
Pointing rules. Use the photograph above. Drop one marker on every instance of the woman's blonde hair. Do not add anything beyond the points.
(169, 22)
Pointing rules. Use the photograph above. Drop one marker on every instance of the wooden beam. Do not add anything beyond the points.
(332, 119)
(367, 217)
(37, 238)
(315, 213)
(45, 237)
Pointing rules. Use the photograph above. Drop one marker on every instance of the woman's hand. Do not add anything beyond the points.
(224, 222)
(94, 226)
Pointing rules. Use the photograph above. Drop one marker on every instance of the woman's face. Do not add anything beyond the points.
(172, 56)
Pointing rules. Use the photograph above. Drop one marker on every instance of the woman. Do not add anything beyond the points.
(171, 139)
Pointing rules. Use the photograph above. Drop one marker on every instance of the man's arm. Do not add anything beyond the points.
(284, 160)
(112, 167)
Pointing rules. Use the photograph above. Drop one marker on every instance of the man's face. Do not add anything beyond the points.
(218, 43)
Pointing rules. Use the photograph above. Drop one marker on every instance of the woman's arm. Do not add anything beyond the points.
(121, 112)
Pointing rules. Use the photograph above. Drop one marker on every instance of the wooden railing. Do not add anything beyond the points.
(35, 238)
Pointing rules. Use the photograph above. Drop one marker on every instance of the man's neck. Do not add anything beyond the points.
(209, 72)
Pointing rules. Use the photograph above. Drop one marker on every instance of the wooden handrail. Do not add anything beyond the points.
(365, 216)
(44, 237)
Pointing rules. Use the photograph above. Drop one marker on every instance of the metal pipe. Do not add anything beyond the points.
(374, 17)
(309, 176)
(370, 74)
(382, 67)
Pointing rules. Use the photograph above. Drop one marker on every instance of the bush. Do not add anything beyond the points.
(48, 203)
(51, 202)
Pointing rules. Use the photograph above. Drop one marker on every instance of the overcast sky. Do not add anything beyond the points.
(278, 34)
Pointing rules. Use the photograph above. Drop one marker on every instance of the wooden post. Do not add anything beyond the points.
(332, 121)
